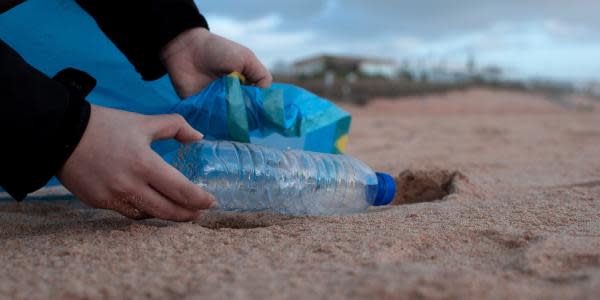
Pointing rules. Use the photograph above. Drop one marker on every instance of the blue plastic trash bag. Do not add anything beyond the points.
(54, 34)
(283, 116)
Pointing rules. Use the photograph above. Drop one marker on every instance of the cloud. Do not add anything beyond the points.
(235, 29)
(263, 37)
(431, 18)
(561, 29)
(519, 35)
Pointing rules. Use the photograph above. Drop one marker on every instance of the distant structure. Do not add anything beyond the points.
(471, 64)
(491, 73)
(282, 68)
(378, 67)
(332, 67)
(593, 88)
(346, 66)
(442, 73)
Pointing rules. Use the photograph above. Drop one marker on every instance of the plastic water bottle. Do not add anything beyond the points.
(247, 177)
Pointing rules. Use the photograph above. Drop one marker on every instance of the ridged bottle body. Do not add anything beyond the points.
(245, 177)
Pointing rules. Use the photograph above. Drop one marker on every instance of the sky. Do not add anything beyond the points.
(553, 39)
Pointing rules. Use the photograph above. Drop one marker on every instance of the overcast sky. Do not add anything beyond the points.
(527, 38)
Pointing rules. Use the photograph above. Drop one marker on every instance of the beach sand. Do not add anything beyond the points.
(499, 194)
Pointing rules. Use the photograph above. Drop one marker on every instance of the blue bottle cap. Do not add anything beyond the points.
(386, 189)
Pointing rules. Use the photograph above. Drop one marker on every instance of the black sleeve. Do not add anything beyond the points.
(41, 123)
(140, 28)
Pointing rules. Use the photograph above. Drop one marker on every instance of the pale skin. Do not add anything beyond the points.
(113, 167)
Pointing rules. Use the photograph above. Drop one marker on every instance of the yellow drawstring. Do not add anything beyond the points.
(239, 75)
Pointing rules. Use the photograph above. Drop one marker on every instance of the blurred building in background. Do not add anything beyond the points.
(354, 68)
(378, 67)
(593, 88)
(345, 66)
(357, 79)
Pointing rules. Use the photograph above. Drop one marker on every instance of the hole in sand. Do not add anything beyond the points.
(416, 186)
(218, 220)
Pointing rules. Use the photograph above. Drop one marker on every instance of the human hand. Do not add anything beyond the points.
(113, 167)
(196, 57)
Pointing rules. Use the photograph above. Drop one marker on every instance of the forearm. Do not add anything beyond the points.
(41, 123)
(140, 28)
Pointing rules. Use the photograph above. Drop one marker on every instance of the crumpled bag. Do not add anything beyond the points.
(282, 116)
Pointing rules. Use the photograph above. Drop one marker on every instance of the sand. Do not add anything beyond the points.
(500, 199)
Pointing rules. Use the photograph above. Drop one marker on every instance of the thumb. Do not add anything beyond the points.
(172, 126)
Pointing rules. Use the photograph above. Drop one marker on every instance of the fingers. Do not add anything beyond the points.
(165, 192)
(121, 203)
(154, 204)
(176, 187)
(256, 73)
(172, 126)
(129, 211)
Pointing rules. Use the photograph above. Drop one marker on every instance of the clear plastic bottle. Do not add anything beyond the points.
(247, 177)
